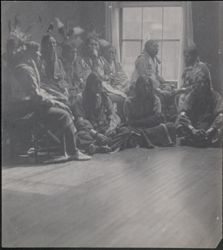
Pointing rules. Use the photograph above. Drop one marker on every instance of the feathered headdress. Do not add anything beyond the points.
(16, 33)
(19, 35)
(94, 35)
(70, 35)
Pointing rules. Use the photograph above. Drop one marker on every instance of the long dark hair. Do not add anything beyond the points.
(90, 95)
(200, 97)
(142, 81)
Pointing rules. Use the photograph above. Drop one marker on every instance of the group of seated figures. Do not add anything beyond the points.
(87, 96)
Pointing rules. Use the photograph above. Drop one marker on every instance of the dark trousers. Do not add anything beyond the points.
(61, 122)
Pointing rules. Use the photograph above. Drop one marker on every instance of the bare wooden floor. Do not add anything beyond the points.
(164, 197)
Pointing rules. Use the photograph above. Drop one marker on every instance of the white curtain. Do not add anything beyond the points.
(187, 24)
(112, 25)
(187, 34)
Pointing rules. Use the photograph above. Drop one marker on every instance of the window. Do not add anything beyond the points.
(162, 23)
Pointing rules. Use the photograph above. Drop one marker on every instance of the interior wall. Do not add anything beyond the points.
(39, 14)
(206, 21)
(92, 14)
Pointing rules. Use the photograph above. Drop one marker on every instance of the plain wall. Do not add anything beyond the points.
(206, 24)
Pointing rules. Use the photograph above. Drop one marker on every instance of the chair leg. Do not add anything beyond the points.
(64, 147)
(60, 141)
(12, 145)
(48, 146)
(35, 144)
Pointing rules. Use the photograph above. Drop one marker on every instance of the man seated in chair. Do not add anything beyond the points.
(27, 94)
(52, 72)
(200, 121)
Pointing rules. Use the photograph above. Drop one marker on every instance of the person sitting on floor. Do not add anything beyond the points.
(99, 127)
(95, 116)
(193, 68)
(143, 112)
(146, 65)
(200, 121)
(27, 97)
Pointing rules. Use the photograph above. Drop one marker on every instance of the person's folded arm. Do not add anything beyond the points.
(30, 85)
(150, 121)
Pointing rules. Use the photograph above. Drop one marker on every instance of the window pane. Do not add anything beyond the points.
(132, 23)
(159, 23)
(172, 23)
(152, 23)
(170, 60)
(130, 51)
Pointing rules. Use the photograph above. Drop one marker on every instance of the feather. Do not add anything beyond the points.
(103, 43)
(62, 31)
(59, 24)
(77, 31)
(50, 28)
(60, 27)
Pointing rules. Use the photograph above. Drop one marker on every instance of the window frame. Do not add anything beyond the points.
(132, 4)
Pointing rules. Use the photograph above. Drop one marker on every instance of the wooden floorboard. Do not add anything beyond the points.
(164, 197)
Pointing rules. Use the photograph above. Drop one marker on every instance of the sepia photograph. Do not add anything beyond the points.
(112, 124)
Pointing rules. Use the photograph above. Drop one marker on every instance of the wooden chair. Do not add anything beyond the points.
(41, 139)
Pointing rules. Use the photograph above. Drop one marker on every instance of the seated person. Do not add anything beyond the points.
(92, 61)
(69, 56)
(53, 73)
(49, 89)
(143, 112)
(200, 120)
(27, 97)
(95, 116)
(118, 78)
(71, 42)
(193, 68)
(146, 65)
